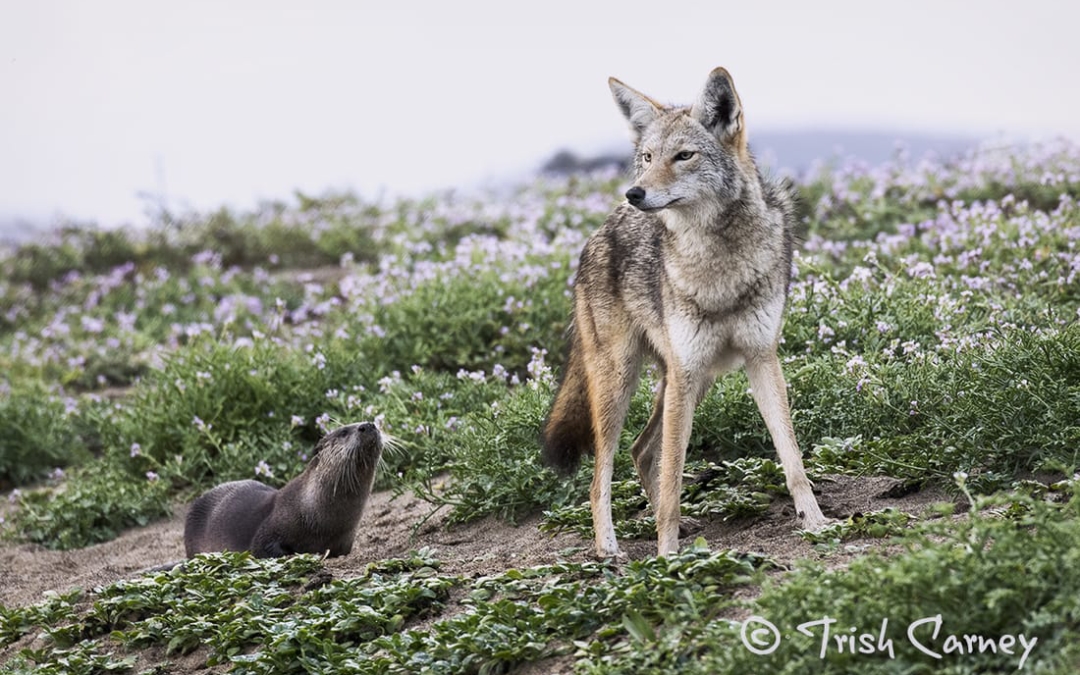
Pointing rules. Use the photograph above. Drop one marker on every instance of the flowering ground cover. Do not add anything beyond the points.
(931, 337)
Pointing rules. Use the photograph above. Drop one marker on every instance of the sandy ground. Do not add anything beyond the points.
(389, 529)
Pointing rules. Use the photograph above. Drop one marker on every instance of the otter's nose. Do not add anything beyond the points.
(365, 428)
(635, 195)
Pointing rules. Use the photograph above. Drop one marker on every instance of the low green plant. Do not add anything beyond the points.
(992, 412)
(81, 659)
(97, 503)
(875, 525)
(567, 608)
(291, 630)
(40, 434)
(15, 622)
(494, 466)
(476, 319)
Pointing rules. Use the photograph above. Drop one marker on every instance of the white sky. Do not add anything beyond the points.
(226, 101)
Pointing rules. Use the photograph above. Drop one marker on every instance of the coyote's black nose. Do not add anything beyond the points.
(635, 195)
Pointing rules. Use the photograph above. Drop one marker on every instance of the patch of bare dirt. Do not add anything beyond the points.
(391, 527)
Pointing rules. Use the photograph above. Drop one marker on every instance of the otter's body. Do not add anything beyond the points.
(316, 512)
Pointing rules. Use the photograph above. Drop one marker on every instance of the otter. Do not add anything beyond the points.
(316, 512)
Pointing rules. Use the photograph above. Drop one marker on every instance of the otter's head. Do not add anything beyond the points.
(347, 458)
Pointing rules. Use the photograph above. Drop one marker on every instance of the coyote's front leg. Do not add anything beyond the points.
(770, 393)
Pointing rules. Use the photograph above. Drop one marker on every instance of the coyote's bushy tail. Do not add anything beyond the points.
(568, 429)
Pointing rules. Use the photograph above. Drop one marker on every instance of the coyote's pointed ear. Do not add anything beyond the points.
(638, 109)
(719, 109)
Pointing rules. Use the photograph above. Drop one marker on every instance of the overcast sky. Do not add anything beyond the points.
(214, 102)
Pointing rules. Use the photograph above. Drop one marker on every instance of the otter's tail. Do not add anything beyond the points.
(568, 430)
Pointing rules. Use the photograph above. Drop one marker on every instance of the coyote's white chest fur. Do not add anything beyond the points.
(728, 291)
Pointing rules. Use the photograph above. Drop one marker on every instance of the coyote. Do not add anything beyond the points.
(691, 271)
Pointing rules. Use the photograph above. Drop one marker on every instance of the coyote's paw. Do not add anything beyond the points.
(615, 556)
(809, 513)
(607, 548)
(815, 522)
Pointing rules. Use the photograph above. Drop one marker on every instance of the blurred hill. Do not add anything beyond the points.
(795, 151)
(792, 151)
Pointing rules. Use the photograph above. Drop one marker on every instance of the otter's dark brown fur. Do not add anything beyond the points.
(316, 512)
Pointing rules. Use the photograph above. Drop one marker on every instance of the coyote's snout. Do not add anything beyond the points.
(693, 272)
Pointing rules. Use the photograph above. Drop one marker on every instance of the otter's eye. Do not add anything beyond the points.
(684, 155)
(646, 157)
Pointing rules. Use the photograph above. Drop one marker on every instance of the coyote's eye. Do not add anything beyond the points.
(684, 155)
(646, 157)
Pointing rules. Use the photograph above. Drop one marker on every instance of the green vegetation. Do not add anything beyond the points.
(986, 576)
(931, 336)
(1003, 572)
